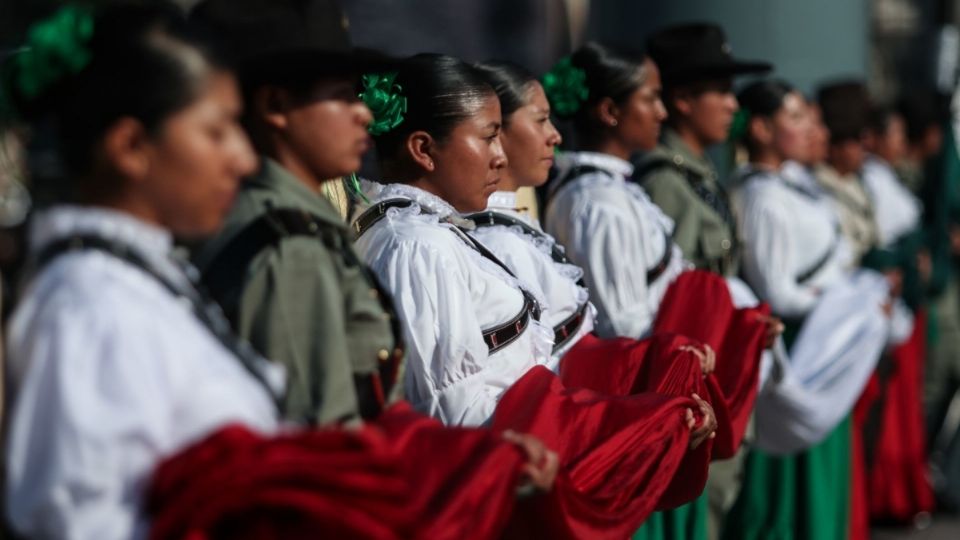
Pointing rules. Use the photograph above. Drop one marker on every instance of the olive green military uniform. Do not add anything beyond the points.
(911, 174)
(686, 188)
(857, 221)
(308, 303)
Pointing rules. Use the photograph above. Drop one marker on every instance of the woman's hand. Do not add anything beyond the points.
(542, 464)
(707, 429)
(924, 265)
(708, 358)
(775, 328)
(895, 280)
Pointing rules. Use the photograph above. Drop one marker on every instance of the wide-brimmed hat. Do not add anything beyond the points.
(699, 51)
(267, 38)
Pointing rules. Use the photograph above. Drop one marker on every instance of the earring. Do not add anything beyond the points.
(613, 123)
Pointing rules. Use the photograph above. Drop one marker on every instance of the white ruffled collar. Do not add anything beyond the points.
(611, 164)
(426, 200)
(65, 220)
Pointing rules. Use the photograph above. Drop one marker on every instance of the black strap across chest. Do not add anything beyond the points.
(718, 201)
(225, 275)
(565, 331)
(206, 311)
(490, 218)
(652, 273)
(821, 262)
(501, 335)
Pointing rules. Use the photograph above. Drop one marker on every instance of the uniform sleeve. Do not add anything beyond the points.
(666, 190)
(86, 429)
(768, 261)
(448, 375)
(291, 309)
(610, 249)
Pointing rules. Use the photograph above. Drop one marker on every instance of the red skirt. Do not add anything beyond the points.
(893, 483)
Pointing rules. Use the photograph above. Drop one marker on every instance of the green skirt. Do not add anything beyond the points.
(688, 522)
(801, 497)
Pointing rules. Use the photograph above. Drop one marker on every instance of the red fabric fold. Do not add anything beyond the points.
(698, 305)
(406, 477)
(619, 456)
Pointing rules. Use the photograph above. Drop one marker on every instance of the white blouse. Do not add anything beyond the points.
(787, 228)
(612, 230)
(447, 294)
(896, 209)
(529, 258)
(111, 374)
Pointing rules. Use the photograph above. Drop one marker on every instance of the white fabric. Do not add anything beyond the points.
(111, 374)
(612, 230)
(529, 258)
(896, 209)
(785, 234)
(829, 365)
(786, 230)
(446, 294)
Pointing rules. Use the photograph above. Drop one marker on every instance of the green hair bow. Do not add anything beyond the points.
(385, 101)
(56, 47)
(566, 87)
(738, 128)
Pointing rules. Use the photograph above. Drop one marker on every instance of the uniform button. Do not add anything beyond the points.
(678, 159)
(383, 355)
(725, 243)
(374, 293)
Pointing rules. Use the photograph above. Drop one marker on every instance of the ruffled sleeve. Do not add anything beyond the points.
(447, 375)
(769, 258)
(609, 246)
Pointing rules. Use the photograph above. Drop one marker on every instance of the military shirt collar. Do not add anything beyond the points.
(680, 153)
(292, 193)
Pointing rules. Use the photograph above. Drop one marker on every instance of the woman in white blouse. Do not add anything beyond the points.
(795, 258)
(474, 326)
(115, 364)
(608, 225)
(118, 362)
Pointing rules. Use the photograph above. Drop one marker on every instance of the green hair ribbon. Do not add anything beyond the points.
(56, 47)
(353, 188)
(385, 100)
(566, 87)
(738, 128)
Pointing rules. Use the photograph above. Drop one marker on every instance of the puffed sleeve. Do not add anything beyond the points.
(769, 259)
(610, 248)
(448, 375)
(87, 426)
(518, 254)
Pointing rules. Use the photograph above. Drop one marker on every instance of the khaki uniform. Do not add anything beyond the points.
(911, 174)
(686, 188)
(857, 222)
(308, 303)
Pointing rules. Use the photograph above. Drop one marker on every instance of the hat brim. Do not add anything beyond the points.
(702, 72)
(311, 64)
